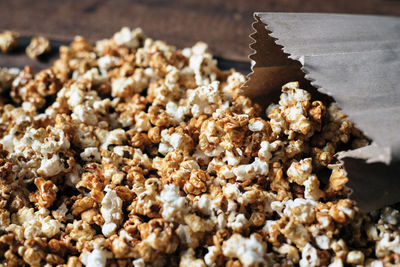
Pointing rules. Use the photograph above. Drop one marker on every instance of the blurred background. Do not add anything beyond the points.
(223, 24)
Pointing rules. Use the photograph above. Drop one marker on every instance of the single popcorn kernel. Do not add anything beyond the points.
(197, 182)
(8, 41)
(38, 46)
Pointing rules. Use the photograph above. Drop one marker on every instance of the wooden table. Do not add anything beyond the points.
(223, 24)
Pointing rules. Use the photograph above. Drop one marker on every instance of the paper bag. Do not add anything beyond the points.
(353, 60)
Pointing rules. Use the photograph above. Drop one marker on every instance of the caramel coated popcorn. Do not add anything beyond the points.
(131, 152)
(8, 41)
(38, 46)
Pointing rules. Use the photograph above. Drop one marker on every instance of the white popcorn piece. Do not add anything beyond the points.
(292, 93)
(232, 191)
(114, 137)
(300, 171)
(237, 221)
(169, 142)
(128, 38)
(204, 99)
(323, 241)
(355, 257)
(249, 171)
(285, 208)
(91, 154)
(390, 243)
(106, 62)
(249, 251)
(265, 152)
(230, 158)
(176, 112)
(97, 258)
(173, 205)
(205, 204)
(84, 114)
(111, 210)
(391, 216)
(201, 63)
(256, 126)
(50, 167)
(37, 223)
(139, 263)
(309, 257)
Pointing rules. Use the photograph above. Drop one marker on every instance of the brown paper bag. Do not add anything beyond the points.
(353, 60)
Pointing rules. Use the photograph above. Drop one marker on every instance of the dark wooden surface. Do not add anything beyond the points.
(223, 24)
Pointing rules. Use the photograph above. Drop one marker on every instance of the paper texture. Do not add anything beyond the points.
(353, 60)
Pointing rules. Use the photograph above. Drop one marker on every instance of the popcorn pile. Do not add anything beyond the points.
(134, 153)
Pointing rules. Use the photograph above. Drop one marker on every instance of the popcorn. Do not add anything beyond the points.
(91, 154)
(389, 243)
(355, 257)
(50, 167)
(211, 256)
(8, 41)
(6, 78)
(309, 256)
(203, 100)
(134, 152)
(173, 204)
(38, 46)
(111, 206)
(98, 257)
(249, 171)
(36, 224)
(188, 259)
(127, 37)
(248, 250)
(256, 126)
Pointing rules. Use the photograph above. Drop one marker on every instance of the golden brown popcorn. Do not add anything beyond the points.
(343, 211)
(80, 231)
(145, 204)
(46, 193)
(188, 259)
(93, 180)
(54, 259)
(32, 256)
(19, 84)
(83, 204)
(159, 234)
(131, 226)
(278, 183)
(337, 182)
(47, 83)
(7, 76)
(198, 224)
(133, 152)
(295, 232)
(197, 182)
(38, 46)
(74, 261)
(8, 41)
